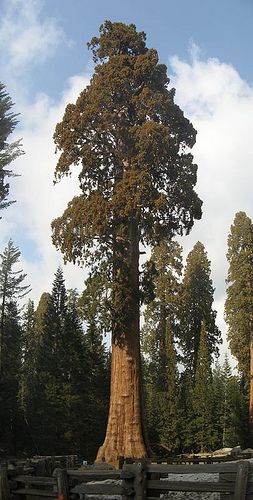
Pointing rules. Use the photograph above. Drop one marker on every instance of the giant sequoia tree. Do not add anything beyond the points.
(239, 302)
(197, 306)
(137, 177)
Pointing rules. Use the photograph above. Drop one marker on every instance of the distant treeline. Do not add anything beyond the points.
(54, 372)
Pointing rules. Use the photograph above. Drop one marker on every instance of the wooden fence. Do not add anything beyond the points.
(140, 480)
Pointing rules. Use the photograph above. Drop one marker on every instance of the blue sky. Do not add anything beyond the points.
(44, 63)
(221, 29)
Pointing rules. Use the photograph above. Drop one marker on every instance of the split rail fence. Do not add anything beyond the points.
(140, 481)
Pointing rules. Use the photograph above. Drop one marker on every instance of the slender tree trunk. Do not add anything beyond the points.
(124, 435)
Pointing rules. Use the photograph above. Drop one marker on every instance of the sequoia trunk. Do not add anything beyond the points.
(124, 435)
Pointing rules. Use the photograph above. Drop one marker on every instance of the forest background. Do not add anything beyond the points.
(213, 88)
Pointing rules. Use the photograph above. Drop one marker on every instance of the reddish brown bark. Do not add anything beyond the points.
(124, 429)
(124, 435)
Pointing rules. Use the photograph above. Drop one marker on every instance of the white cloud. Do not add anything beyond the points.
(220, 105)
(38, 200)
(26, 39)
(213, 96)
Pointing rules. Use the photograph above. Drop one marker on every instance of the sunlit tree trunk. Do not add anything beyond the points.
(124, 435)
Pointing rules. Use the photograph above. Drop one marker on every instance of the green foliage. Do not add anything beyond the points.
(161, 318)
(92, 306)
(230, 408)
(170, 421)
(11, 287)
(162, 312)
(9, 383)
(131, 142)
(196, 307)
(202, 397)
(239, 302)
(8, 151)
(64, 378)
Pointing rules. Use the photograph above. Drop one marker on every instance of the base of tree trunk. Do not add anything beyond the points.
(124, 435)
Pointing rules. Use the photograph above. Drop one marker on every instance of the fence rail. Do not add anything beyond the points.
(139, 480)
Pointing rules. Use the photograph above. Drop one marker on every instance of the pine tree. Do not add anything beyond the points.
(170, 420)
(11, 287)
(57, 408)
(137, 183)
(8, 151)
(202, 397)
(161, 319)
(43, 422)
(196, 307)
(162, 312)
(229, 406)
(28, 380)
(187, 422)
(10, 418)
(92, 308)
(75, 385)
(239, 302)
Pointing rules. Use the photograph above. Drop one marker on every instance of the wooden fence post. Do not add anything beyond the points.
(140, 480)
(241, 480)
(4, 484)
(62, 484)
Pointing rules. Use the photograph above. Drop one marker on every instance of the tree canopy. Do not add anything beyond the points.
(131, 142)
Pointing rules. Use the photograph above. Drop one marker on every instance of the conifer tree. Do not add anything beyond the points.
(8, 151)
(137, 181)
(10, 421)
(60, 399)
(170, 421)
(196, 307)
(202, 397)
(44, 420)
(162, 313)
(187, 412)
(28, 380)
(157, 335)
(228, 406)
(93, 311)
(76, 383)
(11, 286)
(239, 302)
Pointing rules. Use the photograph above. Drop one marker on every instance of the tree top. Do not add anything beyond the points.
(117, 38)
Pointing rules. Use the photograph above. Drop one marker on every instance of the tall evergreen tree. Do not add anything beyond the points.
(8, 151)
(162, 313)
(28, 380)
(57, 407)
(170, 421)
(93, 311)
(10, 421)
(196, 307)
(161, 321)
(229, 406)
(239, 302)
(44, 420)
(202, 397)
(76, 382)
(11, 285)
(137, 184)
